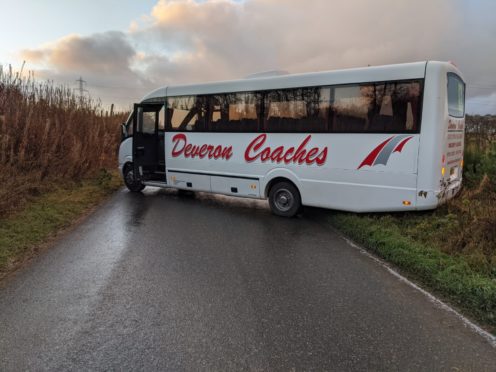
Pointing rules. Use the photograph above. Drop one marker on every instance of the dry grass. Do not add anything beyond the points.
(49, 136)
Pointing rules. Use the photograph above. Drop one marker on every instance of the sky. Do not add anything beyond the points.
(126, 48)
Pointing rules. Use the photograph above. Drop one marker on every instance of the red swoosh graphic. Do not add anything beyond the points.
(402, 144)
(369, 160)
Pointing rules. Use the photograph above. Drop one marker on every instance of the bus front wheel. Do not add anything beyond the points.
(284, 199)
(132, 183)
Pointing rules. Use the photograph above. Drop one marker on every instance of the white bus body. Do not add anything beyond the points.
(374, 139)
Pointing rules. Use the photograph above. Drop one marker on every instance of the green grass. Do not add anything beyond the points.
(451, 250)
(453, 276)
(24, 231)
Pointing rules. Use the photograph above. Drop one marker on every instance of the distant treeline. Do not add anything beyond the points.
(482, 125)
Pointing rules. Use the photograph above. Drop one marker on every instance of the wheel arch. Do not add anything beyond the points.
(278, 175)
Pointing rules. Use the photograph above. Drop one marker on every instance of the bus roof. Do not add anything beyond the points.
(404, 71)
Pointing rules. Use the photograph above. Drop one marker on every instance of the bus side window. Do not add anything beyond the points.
(405, 103)
(297, 110)
(380, 107)
(161, 119)
(186, 113)
(352, 106)
(234, 112)
(147, 124)
(217, 113)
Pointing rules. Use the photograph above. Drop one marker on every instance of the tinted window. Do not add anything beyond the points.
(355, 108)
(161, 118)
(379, 107)
(456, 96)
(146, 121)
(297, 110)
(186, 113)
(234, 112)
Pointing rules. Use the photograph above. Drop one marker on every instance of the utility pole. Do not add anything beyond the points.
(81, 88)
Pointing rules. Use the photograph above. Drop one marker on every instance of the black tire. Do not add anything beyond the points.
(132, 183)
(284, 199)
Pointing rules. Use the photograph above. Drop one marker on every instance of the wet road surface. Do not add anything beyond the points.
(170, 282)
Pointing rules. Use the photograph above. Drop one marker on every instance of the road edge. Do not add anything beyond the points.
(489, 337)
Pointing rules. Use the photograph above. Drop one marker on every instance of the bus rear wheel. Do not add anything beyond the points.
(132, 183)
(284, 199)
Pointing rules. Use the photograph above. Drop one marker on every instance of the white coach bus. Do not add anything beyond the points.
(386, 138)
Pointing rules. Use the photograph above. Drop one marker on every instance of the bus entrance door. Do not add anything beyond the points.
(148, 151)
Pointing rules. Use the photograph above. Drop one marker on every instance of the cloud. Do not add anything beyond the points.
(189, 41)
(107, 52)
(104, 60)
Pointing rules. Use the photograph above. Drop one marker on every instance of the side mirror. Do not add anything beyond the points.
(123, 131)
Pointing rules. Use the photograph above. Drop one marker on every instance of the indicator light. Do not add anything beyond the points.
(407, 202)
(443, 171)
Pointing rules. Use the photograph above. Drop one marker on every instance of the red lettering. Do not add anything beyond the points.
(289, 153)
(227, 153)
(321, 158)
(182, 147)
(255, 151)
(187, 150)
(178, 139)
(217, 152)
(210, 150)
(265, 154)
(254, 146)
(277, 154)
(311, 154)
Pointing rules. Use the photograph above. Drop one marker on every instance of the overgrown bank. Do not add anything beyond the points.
(452, 249)
(56, 150)
(22, 233)
(49, 136)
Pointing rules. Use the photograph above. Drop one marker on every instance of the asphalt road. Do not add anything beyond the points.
(169, 282)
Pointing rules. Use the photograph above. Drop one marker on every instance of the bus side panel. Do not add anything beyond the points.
(363, 196)
(356, 172)
(236, 186)
(188, 181)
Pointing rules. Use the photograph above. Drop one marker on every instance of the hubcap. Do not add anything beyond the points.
(283, 200)
(130, 177)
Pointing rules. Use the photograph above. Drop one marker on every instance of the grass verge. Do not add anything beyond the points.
(22, 233)
(450, 276)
